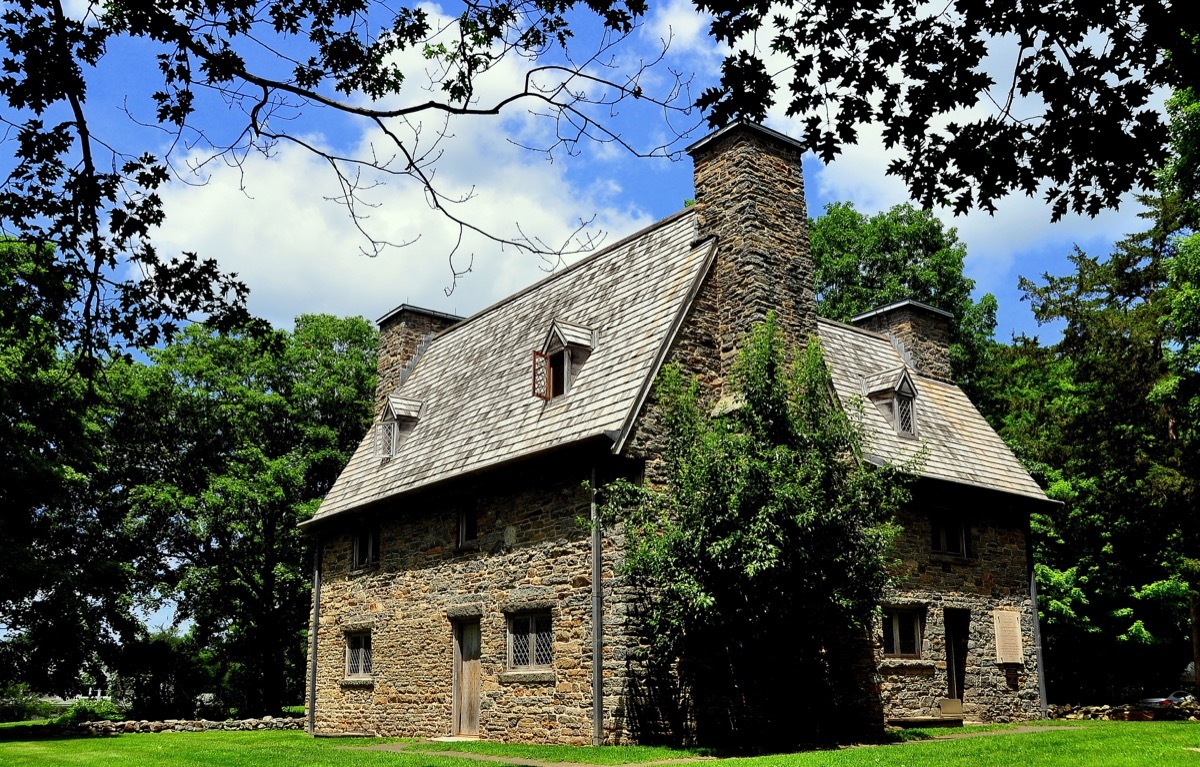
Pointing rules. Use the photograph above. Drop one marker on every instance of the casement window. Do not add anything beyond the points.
(468, 528)
(905, 417)
(529, 640)
(358, 654)
(560, 359)
(366, 547)
(902, 630)
(894, 393)
(948, 535)
(397, 423)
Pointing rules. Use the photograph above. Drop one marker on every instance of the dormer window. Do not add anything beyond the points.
(895, 395)
(399, 419)
(561, 358)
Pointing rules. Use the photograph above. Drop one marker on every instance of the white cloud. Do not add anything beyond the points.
(299, 252)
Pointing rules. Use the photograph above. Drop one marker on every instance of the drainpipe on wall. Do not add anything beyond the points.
(597, 627)
(312, 640)
(1037, 624)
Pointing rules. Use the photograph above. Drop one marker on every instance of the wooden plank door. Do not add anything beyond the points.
(958, 624)
(466, 678)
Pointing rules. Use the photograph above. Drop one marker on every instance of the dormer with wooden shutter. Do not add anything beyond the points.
(563, 354)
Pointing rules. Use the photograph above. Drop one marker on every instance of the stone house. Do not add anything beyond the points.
(456, 592)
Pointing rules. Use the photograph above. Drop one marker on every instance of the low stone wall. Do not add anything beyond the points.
(187, 725)
(1126, 713)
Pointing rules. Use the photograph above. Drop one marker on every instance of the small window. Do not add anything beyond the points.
(563, 353)
(906, 422)
(902, 633)
(358, 654)
(949, 536)
(392, 434)
(468, 528)
(529, 640)
(550, 373)
(366, 547)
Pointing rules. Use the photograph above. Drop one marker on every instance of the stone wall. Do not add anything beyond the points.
(532, 553)
(994, 576)
(401, 332)
(750, 196)
(923, 332)
(186, 725)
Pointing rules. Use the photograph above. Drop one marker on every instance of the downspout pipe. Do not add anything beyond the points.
(597, 624)
(312, 639)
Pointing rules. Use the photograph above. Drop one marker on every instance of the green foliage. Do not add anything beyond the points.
(929, 84)
(767, 528)
(233, 440)
(862, 263)
(18, 703)
(1107, 421)
(90, 710)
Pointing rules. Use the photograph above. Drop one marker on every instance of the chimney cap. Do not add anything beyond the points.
(410, 309)
(908, 302)
(744, 125)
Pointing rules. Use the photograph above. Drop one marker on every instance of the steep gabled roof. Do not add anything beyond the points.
(474, 381)
(958, 444)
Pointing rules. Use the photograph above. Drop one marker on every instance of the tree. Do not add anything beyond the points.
(1075, 115)
(253, 431)
(1100, 419)
(862, 263)
(1075, 121)
(768, 525)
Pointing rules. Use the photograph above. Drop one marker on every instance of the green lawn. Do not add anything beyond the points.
(1098, 744)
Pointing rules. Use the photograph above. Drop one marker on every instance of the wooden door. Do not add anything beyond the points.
(958, 623)
(466, 678)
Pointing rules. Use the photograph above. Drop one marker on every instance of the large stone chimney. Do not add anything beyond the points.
(750, 194)
(919, 331)
(402, 332)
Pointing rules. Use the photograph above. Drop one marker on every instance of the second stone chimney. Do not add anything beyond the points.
(750, 195)
(921, 332)
(402, 332)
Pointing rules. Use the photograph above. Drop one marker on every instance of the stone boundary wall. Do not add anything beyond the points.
(186, 725)
(1126, 713)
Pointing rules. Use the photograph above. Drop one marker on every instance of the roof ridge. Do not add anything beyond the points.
(568, 270)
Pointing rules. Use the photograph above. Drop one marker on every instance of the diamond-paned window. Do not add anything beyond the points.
(358, 654)
(905, 423)
(529, 640)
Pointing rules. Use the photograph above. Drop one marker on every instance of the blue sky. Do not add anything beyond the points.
(273, 219)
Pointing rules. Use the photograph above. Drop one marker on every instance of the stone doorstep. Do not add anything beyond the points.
(925, 721)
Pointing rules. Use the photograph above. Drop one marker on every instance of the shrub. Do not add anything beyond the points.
(293, 710)
(90, 710)
(18, 703)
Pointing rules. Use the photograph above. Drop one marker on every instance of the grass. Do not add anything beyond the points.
(1096, 744)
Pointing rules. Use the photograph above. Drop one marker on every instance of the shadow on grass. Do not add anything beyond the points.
(19, 731)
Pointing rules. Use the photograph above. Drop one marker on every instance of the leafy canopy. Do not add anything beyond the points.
(767, 525)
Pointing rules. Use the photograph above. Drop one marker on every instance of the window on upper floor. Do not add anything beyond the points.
(903, 628)
(529, 640)
(564, 351)
(365, 547)
(396, 424)
(358, 654)
(895, 395)
(468, 528)
(949, 535)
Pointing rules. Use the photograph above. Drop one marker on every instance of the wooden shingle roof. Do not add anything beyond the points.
(474, 381)
(953, 440)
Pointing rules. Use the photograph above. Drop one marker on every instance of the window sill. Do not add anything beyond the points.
(369, 567)
(914, 666)
(954, 559)
(358, 681)
(529, 676)
(468, 546)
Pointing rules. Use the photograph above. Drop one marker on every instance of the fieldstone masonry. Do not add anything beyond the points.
(401, 333)
(993, 576)
(923, 332)
(532, 553)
